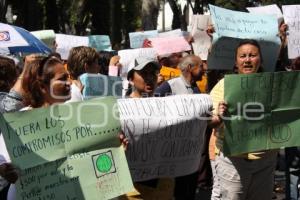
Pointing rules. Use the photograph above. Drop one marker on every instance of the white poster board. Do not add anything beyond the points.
(231, 27)
(166, 134)
(291, 14)
(66, 42)
(273, 10)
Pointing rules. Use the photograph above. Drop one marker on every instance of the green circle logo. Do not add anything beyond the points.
(103, 163)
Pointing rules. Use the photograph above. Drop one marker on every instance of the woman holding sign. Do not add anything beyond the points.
(248, 176)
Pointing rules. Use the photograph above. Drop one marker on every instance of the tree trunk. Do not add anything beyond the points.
(178, 17)
(3, 9)
(116, 14)
(150, 10)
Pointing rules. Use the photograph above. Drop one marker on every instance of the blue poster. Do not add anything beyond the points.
(232, 26)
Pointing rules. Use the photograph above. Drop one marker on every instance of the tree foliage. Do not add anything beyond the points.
(110, 17)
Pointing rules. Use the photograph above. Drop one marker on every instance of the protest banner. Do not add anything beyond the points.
(169, 45)
(58, 129)
(47, 36)
(96, 85)
(293, 44)
(137, 38)
(231, 27)
(273, 10)
(291, 15)
(45, 144)
(264, 112)
(166, 134)
(66, 42)
(100, 42)
(128, 56)
(94, 175)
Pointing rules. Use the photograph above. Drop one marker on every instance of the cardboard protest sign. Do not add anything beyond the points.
(137, 38)
(96, 85)
(66, 42)
(31, 135)
(293, 44)
(264, 112)
(129, 55)
(166, 134)
(169, 45)
(47, 36)
(100, 42)
(231, 27)
(99, 174)
(45, 143)
(273, 10)
(291, 15)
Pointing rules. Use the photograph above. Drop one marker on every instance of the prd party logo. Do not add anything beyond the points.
(4, 36)
(103, 164)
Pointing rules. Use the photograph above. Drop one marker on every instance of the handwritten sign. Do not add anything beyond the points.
(93, 175)
(264, 112)
(231, 27)
(128, 56)
(293, 44)
(100, 42)
(53, 147)
(292, 19)
(96, 85)
(137, 38)
(31, 135)
(165, 134)
(66, 42)
(273, 10)
(169, 45)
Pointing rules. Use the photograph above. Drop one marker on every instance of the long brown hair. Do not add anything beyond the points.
(37, 78)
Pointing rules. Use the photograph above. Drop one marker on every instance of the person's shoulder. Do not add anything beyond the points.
(163, 89)
(218, 86)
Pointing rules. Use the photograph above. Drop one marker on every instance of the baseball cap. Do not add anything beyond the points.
(140, 63)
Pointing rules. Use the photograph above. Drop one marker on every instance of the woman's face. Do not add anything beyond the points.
(248, 59)
(60, 85)
(145, 80)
